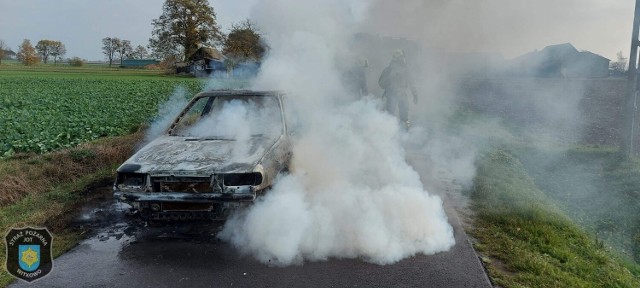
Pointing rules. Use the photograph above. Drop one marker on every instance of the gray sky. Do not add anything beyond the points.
(510, 27)
(81, 24)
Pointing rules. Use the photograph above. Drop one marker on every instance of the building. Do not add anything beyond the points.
(206, 60)
(562, 60)
(138, 63)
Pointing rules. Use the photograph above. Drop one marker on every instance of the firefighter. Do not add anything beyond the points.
(396, 81)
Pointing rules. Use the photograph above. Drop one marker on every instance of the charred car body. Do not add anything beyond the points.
(221, 152)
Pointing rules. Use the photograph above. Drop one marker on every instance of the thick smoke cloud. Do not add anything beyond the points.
(350, 193)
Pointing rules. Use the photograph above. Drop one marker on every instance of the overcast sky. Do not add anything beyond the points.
(600, 26)
(81, 24)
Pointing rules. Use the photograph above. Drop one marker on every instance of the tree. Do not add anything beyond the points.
(244, 42)
(184, 26)
(140, 52)
(57, 51)
(3, 48)
(27, 54)
(619, 66)
(109, 47)
(44, 49)
(124, 49)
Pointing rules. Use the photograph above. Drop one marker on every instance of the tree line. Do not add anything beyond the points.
(43, 51)
(114, 48)
(182, 28)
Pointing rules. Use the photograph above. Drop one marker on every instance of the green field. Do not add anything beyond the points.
(44, 108)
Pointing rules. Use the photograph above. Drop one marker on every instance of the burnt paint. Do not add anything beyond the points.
(129, 168)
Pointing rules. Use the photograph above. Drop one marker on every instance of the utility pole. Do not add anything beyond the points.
(629, 137)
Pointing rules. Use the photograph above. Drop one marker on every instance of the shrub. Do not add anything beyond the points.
(76, 61)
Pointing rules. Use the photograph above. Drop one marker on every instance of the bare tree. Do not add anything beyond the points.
(27, 54)
(57, 51)
(110, 47)
(140, 52)
(124, 49)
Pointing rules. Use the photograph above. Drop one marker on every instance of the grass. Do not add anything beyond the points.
(529, 242)
(596, 187)
(51, 199)
(88, 68)
(26, 174)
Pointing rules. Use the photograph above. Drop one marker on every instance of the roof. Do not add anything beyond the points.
(565, 48)
(238, 93)
(557, 52)
(593, 55)
(206, 52)
(138, 62)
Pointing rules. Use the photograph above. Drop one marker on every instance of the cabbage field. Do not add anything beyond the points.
(43, 111)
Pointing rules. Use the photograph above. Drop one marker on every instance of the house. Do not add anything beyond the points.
(562, 60)
(587, 64)
(206, 60)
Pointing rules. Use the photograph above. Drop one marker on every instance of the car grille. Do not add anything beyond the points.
(182, 184)
(185, 206)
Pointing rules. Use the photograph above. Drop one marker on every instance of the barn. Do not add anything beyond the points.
(206, 60)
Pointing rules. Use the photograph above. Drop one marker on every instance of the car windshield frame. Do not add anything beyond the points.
(175, 127)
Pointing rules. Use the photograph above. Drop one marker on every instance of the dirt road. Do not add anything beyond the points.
(122, 254)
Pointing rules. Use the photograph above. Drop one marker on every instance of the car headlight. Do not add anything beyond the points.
(127, 179)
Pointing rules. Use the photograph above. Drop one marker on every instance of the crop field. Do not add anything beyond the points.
(46, 109)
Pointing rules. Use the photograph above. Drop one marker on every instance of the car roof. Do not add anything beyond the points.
(238, 93)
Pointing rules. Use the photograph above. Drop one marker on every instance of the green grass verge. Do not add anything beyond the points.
(597, 188)
(529, 242)
(49, 210)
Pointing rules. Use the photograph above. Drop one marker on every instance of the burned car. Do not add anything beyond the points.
(222, 151)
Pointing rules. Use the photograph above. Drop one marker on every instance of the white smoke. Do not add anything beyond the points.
(239, 120)
(167, 112)
(350, 194)
(452, 155)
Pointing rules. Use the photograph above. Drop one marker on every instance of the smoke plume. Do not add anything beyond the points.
(350, 193)
(167, 112)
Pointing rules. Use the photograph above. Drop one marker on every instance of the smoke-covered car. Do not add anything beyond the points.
(223, 150)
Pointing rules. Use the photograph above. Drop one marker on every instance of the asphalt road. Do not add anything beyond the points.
(121, 254)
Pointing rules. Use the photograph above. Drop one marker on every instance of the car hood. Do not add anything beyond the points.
(181, 155)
